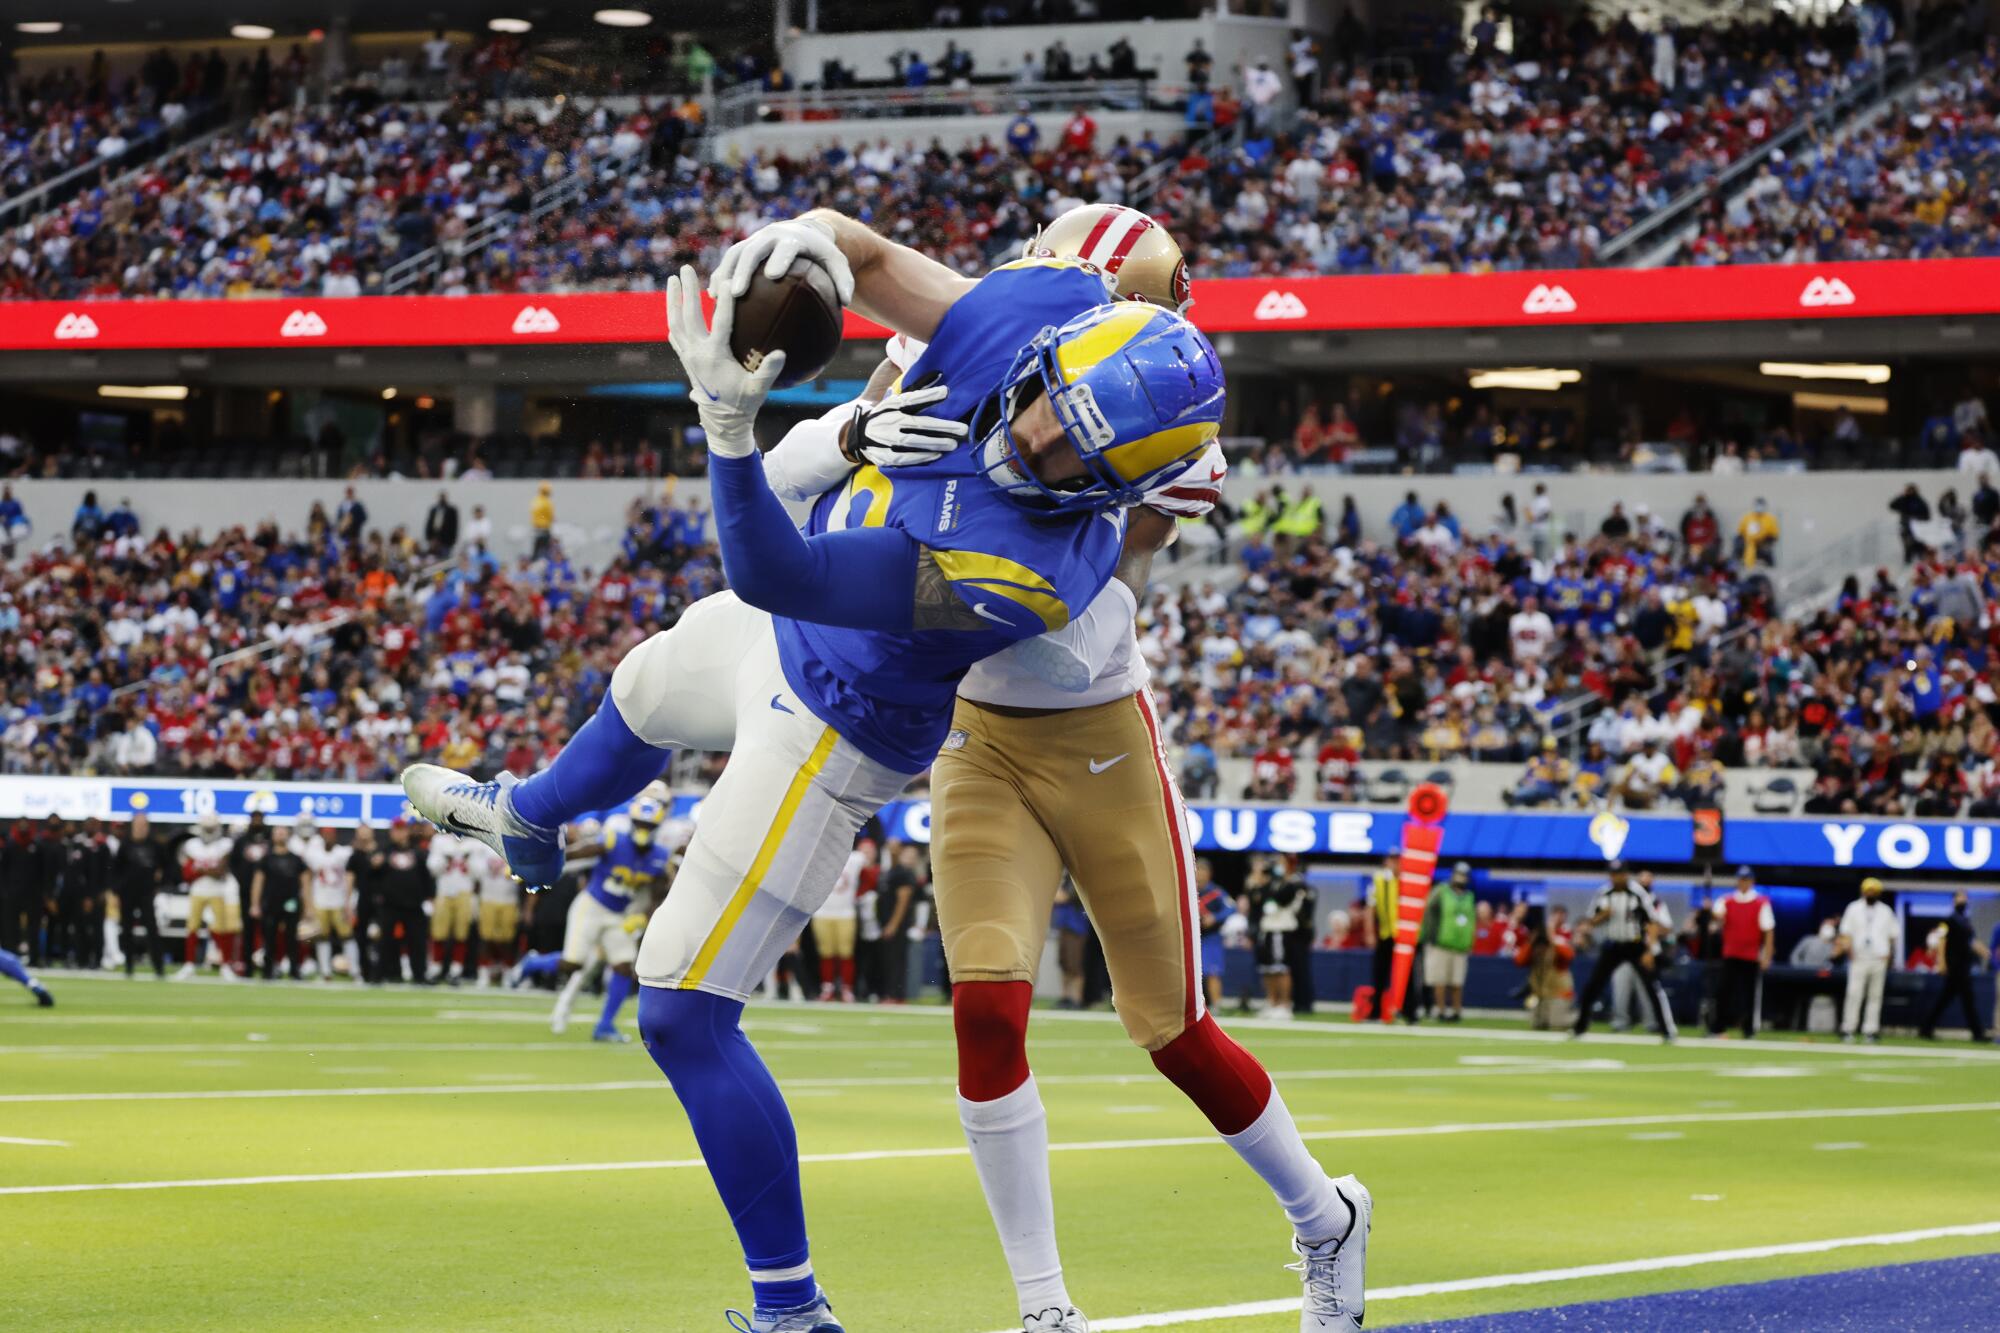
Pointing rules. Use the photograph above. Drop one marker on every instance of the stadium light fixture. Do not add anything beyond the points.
(389, 393)
(1810, 370)
(252, 32)
(1835, 402)
(1524, 377)
(166, 393)
(623, 18)
(509, 25)
(39, 27)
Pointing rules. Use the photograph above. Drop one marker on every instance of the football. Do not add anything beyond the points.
(798, 314)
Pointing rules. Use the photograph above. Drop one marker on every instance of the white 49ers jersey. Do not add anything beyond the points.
(496, 883)
(328, 863)
(451, 864)
(1099, 646)
(207, 860)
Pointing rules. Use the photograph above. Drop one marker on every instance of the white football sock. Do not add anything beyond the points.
(351, 951)
(323, 954)
(566, 999)
(1273, 1149)
(1009, 1138)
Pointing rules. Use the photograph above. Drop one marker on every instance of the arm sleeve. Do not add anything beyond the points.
(808, 462)
(1072, 657)
(858, 578)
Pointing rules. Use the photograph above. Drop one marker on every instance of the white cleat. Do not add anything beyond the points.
(227, 973)
(1056, 1319)
(186, 971)
(1335, 1268)
(485, 811)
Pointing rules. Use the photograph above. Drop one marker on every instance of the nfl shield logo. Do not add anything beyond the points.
(955, 741)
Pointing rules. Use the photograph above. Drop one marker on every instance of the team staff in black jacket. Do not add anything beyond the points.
(138, 874)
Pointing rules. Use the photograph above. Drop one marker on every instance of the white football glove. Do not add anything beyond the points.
(891, 434)
(725, 395)
(1195, 489)
(773, 248)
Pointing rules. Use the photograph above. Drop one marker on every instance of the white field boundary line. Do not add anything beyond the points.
(1150, 1078)
(1546, 1276)
(1100, 1145)
(33, 1143)
(884, 1015)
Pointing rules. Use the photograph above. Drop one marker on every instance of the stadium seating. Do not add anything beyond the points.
(1535, 160)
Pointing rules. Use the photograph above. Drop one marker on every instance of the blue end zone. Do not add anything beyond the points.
(1943, 1296)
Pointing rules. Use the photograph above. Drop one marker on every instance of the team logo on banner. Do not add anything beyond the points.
(1549, 299)
(1280, 305)
(536, 319)
(1609, 831)
(303, 324)
(74, 325)
(1826, 291)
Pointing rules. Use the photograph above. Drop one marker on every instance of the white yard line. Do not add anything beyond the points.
(33, 1143)
(1100, 1145)
(1544, 1276)
(1146, 1078)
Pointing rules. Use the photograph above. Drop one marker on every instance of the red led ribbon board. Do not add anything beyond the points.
(1893, 289)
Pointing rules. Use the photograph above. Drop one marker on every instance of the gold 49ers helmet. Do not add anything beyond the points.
(1143, 260)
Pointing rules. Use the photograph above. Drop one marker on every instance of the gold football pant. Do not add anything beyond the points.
(1016, 796)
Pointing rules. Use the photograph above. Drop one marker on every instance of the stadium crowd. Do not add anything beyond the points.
(1920, 183)
(344, 652)
(1531, 159)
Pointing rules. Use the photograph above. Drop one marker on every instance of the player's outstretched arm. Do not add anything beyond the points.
(858, 578)
(880, 279)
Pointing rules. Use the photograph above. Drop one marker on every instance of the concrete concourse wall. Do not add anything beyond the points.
(1815, 509)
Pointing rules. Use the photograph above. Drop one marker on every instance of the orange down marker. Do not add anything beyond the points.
(1423, 834)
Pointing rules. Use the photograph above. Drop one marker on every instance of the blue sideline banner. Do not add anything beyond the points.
(1342, 831)
(1870, 844)
(1864, 844)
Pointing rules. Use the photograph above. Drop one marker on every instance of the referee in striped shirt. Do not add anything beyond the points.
(1630, 922)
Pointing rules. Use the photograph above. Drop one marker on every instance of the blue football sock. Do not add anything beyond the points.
(10, 966)
(744, 1130)
(603, 765)
(618, 988)
(541, 964)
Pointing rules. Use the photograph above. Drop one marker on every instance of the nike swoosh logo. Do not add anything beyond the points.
(1097, 767)
(979, 609)
(1218, 474)
(778, 702)
(460, 827)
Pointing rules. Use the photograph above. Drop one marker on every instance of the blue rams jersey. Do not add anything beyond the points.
(625, 868)
(891, 693)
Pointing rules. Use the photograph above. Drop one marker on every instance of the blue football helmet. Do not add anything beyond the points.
(647, 813)
(1137, 390)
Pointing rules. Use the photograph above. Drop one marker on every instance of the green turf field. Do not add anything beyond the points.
(446, 1094)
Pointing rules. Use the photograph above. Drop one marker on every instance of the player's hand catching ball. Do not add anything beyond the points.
(726, 396)
(773, 247)
(892, 433)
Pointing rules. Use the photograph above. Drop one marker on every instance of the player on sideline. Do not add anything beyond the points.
(632, 859)
(332, 898)
(494, 946)
(450, 859)
(1036, 778)
(213, 893)
(13, 968)
(906, 583)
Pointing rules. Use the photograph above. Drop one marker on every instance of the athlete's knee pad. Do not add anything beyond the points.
(1221, 1078)
(990, 1019)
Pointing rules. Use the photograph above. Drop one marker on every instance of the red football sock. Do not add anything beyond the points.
(826, 971)
(991, 1021)
(458, 953)
(847, 973)
(1221, 1078)
(226, 941)
(193, 941)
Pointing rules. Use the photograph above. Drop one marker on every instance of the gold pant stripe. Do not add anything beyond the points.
(760, 866)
